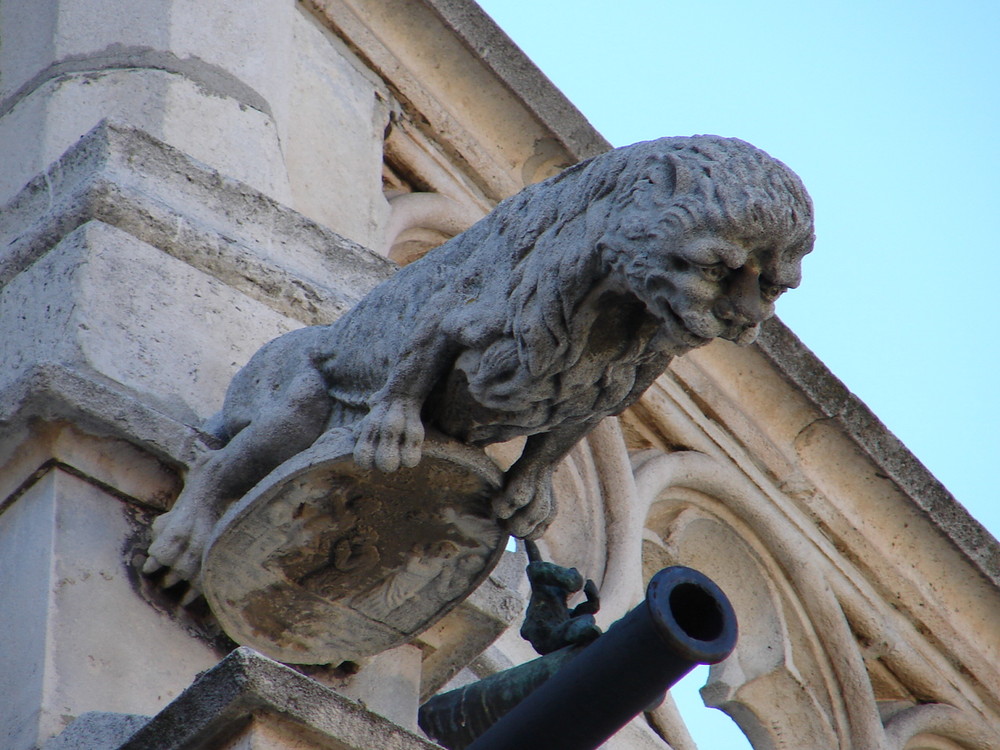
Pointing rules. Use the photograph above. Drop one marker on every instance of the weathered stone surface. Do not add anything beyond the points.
(97, 730)
(555, 311)
(123, 209)
(63, 108)
(501, 143)
(150, 342)
(506, 60)
(126, 178)
(215, 710)
(388, 684)
(66, 546)
(51, 392)
(155, 65)
(332, 92)
(804, 369)
(324, 562)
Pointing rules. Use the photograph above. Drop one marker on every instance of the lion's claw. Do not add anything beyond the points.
(526, 506)
(178, 541)
(391, 435)
(171, 579)
(193, 595)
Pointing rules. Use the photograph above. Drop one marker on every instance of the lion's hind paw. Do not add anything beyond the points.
(178, 542)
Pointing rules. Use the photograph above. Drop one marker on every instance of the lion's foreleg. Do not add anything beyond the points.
(526, 503)
(392, 433)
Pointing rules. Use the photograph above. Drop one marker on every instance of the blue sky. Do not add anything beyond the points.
(890, 113)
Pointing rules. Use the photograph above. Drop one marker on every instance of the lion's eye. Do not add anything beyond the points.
(771, 292)
(714, 272)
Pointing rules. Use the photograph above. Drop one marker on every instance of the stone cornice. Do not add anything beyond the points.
(522, 77)
(804, 370)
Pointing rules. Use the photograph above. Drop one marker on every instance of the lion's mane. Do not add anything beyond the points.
(569, 231)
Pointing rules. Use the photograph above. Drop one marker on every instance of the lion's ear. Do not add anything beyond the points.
(668, 174)
(655, 185)
(661, 178)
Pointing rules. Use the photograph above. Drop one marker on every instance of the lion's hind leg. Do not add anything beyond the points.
(288, 417)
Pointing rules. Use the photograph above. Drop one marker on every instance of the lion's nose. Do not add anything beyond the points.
(726, 311)
(747, 306)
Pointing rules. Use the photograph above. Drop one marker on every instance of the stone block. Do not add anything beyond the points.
(54, 116)
(104, 302)
(164, 66)
(248, 702)
(78, 638)
(129, 179)
(159, 221)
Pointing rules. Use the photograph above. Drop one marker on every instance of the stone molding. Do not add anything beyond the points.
(507, 137)
(823, 658)
(807, 373)
(212, 78)
(245, 689)
(54, 393)
(531, 86)
(124, 177)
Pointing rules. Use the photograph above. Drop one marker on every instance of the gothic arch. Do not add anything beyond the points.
(786, 685)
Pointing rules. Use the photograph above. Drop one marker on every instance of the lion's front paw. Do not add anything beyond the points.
(525, 505)
(391, 435)
(179, 538)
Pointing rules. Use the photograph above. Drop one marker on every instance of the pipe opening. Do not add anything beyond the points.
(696, 612)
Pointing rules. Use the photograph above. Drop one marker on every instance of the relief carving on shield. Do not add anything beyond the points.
(324, 562)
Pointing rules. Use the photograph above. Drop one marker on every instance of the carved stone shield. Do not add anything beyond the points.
(323, 562)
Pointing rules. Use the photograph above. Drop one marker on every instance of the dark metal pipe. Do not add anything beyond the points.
(685, 620)
(456, 718)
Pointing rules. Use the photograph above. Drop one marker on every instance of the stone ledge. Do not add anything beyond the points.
(126, 178)
(246, 686)
(54, 393)
(97, 730)
(808, 374)
(524, 79)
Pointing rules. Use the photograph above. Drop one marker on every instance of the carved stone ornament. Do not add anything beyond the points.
(553, 312)
(322, 541)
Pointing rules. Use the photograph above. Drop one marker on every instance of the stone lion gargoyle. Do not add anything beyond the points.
(553, 312)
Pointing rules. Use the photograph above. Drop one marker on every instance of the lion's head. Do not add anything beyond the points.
(707, 232)
(711, 233)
